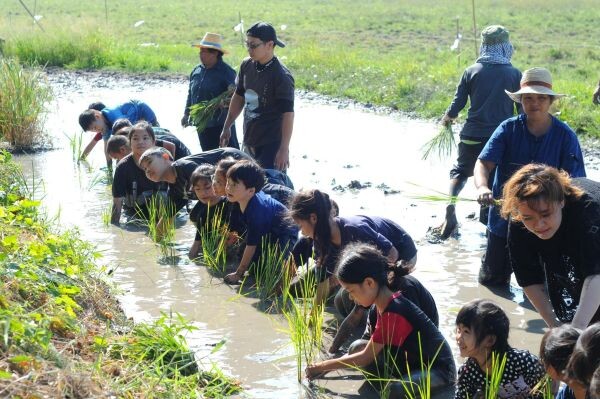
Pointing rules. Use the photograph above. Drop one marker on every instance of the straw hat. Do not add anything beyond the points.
(211, 40)
(536, 81)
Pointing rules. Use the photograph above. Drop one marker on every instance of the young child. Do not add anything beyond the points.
(402, 330)
(272, 186)
(482, 330)
(118, 144)
(555, 350)
(131, 188)
(584, 364)
(209, 204)
(263, 216)
(101, 121)
(159, 166)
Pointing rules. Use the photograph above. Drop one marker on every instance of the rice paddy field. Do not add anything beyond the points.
(381, 52)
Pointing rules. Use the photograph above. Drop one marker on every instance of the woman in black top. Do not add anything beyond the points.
(554, 239)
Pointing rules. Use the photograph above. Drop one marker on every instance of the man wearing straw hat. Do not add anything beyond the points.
(208, 80)
(265, 90)
(532, 137)
(483, 83)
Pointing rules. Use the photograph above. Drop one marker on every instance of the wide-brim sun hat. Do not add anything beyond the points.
(212, 41)
(534, 81)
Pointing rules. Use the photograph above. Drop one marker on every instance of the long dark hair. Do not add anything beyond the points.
(305, 203)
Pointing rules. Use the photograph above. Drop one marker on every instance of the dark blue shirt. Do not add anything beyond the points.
(208, 83)
(513, 146)
(265, 216)
(378, 231)
(484, 85)
(133, 110)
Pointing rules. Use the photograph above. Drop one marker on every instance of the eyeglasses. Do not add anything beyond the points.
(252, 46)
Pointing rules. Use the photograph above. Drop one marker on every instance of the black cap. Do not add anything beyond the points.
(265, 32)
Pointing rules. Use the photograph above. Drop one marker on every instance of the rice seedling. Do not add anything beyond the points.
(389, 372)
(270, 269)
(76, 146)
(161, 224)
(305, 320)
(439, 196)
(204, 111)
(441, 144)
(492, 383)
(106, 215)
(544, 388)
(22, 105)
(214, 241)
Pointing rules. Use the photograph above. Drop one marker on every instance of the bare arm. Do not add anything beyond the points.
(540, 300)
(588, 303)
(481, 173)
(107, 156)
(358, 359)
(236, 105)
(116, 211)
(88, 148)
(282, 158)
(194, 250)
(347, 327)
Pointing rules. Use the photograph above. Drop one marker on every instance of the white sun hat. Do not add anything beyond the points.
(537, 81)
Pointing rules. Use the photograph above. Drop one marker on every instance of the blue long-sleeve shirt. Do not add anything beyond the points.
(208, 83)
(484, 85)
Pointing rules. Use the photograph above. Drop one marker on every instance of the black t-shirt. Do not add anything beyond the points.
(180, 149)
(186, 166)
(281, 193)
(408, 332)
(566, 259)
(130, 182)
(264, 91)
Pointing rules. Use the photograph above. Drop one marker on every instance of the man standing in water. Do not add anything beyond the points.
(266, 88)
(483, 83)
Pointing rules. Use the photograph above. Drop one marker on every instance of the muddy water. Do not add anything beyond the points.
(333, 144)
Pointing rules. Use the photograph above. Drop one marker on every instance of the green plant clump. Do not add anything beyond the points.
(23, 100)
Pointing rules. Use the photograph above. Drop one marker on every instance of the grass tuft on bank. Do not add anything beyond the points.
(63, 332)
(23, 101)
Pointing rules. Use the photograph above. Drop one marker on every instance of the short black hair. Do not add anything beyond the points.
(249, 173)
(86, 118)
(98, 106)
(557, 346)
(114, 144)
(204, 171)
(120, 124)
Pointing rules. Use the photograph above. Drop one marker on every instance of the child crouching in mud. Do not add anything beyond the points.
(405, 340)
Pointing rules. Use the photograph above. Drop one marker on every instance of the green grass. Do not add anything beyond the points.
(23, 100)
(393, 53)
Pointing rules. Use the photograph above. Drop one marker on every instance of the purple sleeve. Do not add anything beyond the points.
(363, 233)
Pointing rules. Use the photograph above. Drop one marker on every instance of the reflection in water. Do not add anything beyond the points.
(331, 147)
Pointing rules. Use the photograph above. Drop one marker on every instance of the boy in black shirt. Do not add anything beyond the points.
(265, 87)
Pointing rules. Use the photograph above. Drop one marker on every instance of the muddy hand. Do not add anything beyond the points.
(312, 372)
(232, 278)
(446, 120)
(485, 197)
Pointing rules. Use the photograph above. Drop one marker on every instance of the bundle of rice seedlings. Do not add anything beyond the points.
(214, 241)
(441, 144)
(204, 111)
(270, 269)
